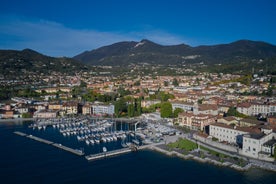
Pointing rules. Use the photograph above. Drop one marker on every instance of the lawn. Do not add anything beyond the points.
(183, 144)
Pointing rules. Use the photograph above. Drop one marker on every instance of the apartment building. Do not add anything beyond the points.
(98, 109)
(195, 121)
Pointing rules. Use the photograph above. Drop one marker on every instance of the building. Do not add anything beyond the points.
(206, 109)
(148, 103)
(260, 146)
(195, 121)
(228, 120)
(254, 142)
(55, 106)
(230, 133)
(254, 109)
(46, 114)
(247, 122)
(70, 107)
(271, 120)
(87, 109)
(183, 105)
(98, 109)
(244, 108)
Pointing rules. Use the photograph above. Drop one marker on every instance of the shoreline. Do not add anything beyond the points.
(209, 160)
(17, 120)
(188, 156)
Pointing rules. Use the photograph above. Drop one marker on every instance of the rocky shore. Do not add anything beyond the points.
(212, 161)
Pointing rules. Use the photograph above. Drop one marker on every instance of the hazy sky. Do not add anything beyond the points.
(69, 27)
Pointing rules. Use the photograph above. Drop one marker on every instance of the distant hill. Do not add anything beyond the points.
(27, 61)
(145, 51)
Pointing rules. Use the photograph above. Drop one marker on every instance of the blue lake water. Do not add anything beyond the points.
(23, 160)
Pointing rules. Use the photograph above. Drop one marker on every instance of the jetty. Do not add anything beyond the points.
(20, 133)
(39, 139)
(57, 145)
(108, 154)
(75, 151)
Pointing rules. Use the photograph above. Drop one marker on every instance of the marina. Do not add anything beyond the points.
(70, 168)
(94, 137)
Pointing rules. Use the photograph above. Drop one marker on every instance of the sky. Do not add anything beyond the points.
(70, 27)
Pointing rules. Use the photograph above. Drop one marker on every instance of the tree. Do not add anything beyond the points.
(139, 108)
(26, 115)
(275, 153)
(137, 83)
(166, 110)
(130, 110)
(232, 111)
(164, 96)
(83, 84)
(120, 107)
(199, 101)
(175, 82)
(122, 92)
(176, 112)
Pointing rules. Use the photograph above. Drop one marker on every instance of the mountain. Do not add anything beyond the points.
(17, 63)
(145, 51)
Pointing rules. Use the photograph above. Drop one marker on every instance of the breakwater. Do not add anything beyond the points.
(57, 145)
(107, 154)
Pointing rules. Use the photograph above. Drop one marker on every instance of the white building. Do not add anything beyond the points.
(46, 114)
(245, 108)
(255, 143)
(228, 133)
(253, 109)
(182, 105)
(259, 145)
(98, 109)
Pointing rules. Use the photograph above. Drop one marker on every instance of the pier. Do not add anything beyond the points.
(74, 151)
(20, 133)
(39, 139)
(108, 154)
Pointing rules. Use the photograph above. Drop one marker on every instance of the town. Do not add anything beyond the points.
(232, 112)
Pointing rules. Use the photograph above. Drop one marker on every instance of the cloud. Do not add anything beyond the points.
(55, 39)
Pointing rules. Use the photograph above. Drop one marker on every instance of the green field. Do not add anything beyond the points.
(183, 144)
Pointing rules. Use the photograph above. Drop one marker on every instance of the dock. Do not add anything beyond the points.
(71, 150)
(108, 154)
(20, 133)
(75, 151)
(39, 139)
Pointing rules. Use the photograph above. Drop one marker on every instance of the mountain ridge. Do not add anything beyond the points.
(146, 51)
(17, 62)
